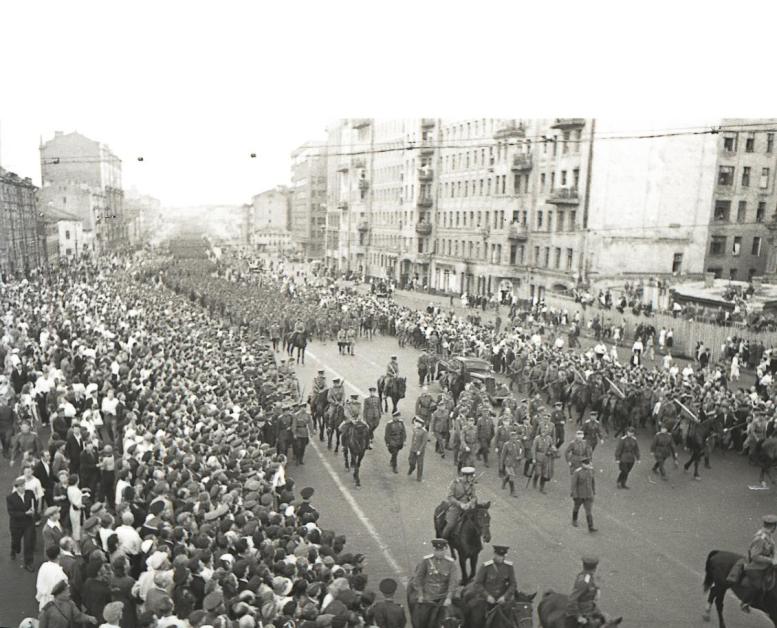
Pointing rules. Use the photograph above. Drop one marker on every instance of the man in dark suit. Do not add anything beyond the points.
(19, 378)
(42, 471)
(73, 448)
(21, 516)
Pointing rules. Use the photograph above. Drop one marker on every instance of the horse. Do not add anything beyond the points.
(355, 438)
(515, 613)
(318, 404)
(696, 441)
(552, 613)
(765, 456)
(716, 570)
(447, 616)
(465, 541)
(335, 415)
(395, 392)
(297, 340)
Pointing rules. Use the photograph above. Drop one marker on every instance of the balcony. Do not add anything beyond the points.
(564, 196)
(427, 123)
(363, 226)
(423, 228)
(510, 130)
(343, 205)
(360, 123)
(568, 123)
(425, 174)
(425, 147)
(521, 162)
(344, 167)
(517, 231)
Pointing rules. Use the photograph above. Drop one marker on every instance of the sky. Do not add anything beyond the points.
(194, 87)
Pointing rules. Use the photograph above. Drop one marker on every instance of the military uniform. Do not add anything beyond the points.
(435, 580)
(759, 561)
(626, 454)
(395, 435)
(583, 489)
(592, 432)
(510, 458)
(441, 429)
(283, 439)
(543, 452)
(371, 413)
(468, 445)
(418, 440)
(577, 451)
(424, 405)
(662, 448)
(335, 397)
(461, 494)
(301, 427)
(582, 600)
(557, 417)
(497, 580)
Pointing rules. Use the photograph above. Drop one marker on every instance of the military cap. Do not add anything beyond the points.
(558, 404)
(468, 470)
(321, 371)
(387, 586)
(307, 492)
(372, 388)
(770, 519)
(393, 357)
(439, 544)
(418, 419)
(336, 380)
(355, 397)
(590, 562)
(396, 414)
(500, 550)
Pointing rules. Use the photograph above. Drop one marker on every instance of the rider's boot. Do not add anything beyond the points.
(590, 520)
(574, 518)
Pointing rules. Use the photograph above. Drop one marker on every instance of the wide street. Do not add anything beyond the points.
(652, 539)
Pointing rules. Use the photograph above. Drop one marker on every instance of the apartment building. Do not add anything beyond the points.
(20, 241)
(307, 216)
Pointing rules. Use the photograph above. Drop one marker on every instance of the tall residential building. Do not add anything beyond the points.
(308, 198)
(271, 209)
(83, 176)
(20, 240)
(64, 235)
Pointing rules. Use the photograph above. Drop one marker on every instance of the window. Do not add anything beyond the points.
(750, 143)
(751, 274)
(572, 220)
(547, 256)
(717, 245)
(569, 259)
(737, 246)
(542, 182)
(539, 220)
(760, 212)
(746, 177)
(716, 272)
(769, 142)
(722, 209)
(67, 234)
(564, 178)
(677, 263)
(552, 180)
(576, 177)
(513, 253)
(756, 250)
(559, 221)
(732, 274)
(726, 175)
(741, 211)
(764, 182)
(537, 255)
(730, 143)
(557, 258)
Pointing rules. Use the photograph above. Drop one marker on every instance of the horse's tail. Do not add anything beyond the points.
(709, 579)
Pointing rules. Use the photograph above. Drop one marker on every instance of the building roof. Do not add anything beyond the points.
(53, 214)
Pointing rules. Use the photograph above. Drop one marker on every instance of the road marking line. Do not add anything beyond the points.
(392, 562)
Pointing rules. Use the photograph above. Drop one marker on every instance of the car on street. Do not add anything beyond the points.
(477, 369)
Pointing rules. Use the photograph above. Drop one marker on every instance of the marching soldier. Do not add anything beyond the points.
(468, 443)
(461, 497)
(583, 491)
(350, 339)
(275, 335)
(395, 436)
(662, 448)
(436, 580)
(301, 427)
(485, 432)
(543, 452)
(341, 340)
(557, 417)
(441, 429)
(424, 405)
(418, 440)
(626, 454)
(510, 458)
(283, 439)
(577, 450)
(372, 412)
(582, 600)
(592, 431)
(496, 579)
(423, 368)
(502, 438)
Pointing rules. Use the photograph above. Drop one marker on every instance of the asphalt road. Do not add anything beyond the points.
(652, 540)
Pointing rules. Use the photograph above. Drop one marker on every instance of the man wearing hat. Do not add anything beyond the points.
(510, 459)
(335, 397)
(662, 448)
(283, 439)
(558, 420)
(418, 439)
(582, 601)
(21, 519)
(392, 372)
(583, 491)
(306, 507)
(592, 430)
(543, 454)
(371, 409)
(761, 558)
(52, 529)
(395, 436)
(435, 580)
(387, 613)
(495, 580)
(577, 450)
(626, 454)
(301, 427)
(461, 497)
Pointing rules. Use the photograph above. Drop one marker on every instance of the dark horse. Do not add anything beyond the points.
(697, 442)
(297, 340)
(552, 612)
(356, 438)
(335, 415)
(716, 571)
(765, 456)
(465, 541)
(581, 397)
(395, 392)
(445, 616)
(318, 404)
(515, 613)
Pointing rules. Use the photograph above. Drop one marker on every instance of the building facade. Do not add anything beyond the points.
(65, 236)
(308, 200)
(270, 209)
(20, 225)
(83, 176)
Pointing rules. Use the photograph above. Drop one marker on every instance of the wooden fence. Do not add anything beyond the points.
(686, 333)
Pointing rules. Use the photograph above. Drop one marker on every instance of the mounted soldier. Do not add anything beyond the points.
(392, 372)
(335, 397)
(372, 412)
(461, 497)
(759, 565)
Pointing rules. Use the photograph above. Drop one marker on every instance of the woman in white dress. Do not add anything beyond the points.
(734, 374)
(76, 499)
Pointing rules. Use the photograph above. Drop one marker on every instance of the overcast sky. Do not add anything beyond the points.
(194, 87)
